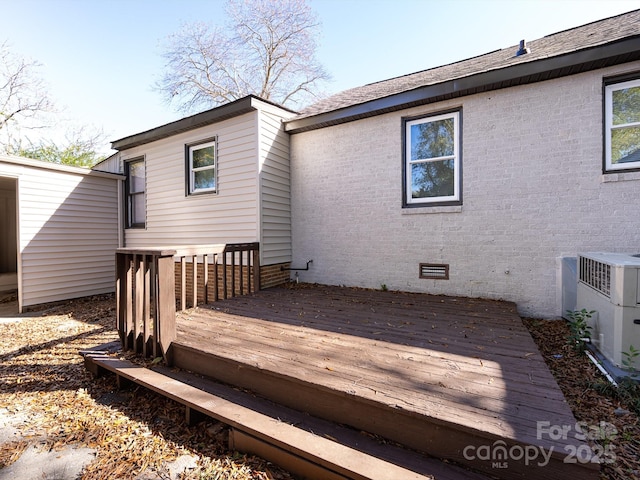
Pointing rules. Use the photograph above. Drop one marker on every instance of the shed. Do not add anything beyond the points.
(58, 230)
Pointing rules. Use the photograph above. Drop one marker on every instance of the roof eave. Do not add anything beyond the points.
(41, 164)
(236, 108)
(613, 53)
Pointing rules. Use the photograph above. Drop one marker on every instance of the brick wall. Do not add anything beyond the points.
(272, 275)
(533, 191)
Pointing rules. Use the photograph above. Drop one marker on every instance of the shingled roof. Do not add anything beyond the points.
(598, 44)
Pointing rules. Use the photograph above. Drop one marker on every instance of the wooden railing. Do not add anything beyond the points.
(149, 288)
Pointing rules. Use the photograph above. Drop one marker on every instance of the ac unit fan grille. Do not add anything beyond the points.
(596, 274)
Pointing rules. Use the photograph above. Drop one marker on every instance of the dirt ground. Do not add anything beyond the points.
(55, 403)
(52, 403)
(593, 400)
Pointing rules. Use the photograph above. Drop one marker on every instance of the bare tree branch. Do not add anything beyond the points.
(268, 49)
(23, 96)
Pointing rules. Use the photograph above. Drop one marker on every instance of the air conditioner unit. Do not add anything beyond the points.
(609, 283)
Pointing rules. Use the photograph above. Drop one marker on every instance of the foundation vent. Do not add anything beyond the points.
(434, 271)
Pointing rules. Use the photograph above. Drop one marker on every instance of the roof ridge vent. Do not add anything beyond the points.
(523, 48)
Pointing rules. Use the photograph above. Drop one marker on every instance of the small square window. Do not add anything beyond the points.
(622, 126)
(202, 168)
(432, 164)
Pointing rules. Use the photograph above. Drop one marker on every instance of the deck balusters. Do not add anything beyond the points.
(147, 295)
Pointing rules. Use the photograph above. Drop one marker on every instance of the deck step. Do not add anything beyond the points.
(304, 445)
(419, 433)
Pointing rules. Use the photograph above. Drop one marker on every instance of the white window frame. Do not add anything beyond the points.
(191, 170)
(130, 195)
(609, 127)
(454, 199)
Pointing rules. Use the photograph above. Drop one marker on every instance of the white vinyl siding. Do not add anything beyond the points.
(112, 164)
(175, 218)
(275, 182)
(68, 231)
(252, 192)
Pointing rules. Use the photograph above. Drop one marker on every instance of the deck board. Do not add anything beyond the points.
(459, 361)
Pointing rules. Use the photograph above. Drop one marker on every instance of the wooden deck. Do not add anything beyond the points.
(460, 379)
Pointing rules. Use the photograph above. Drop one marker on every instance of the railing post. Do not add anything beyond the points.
(240, 268)
(256, 268)
(233, 273)
(147, 332)
(194, 281)
(140, 293)
(123, 289)
(165, 306)
(205, 278)
(146, 289)
(183, 283)
(224, 274)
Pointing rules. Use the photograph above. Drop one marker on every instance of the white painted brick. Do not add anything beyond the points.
(532, 191)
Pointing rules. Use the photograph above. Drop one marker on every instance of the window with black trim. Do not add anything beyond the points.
(135, 187)
(202, 166)
(432, 160)
(622, 126)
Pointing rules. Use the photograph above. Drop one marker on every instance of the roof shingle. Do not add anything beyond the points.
(569, 41)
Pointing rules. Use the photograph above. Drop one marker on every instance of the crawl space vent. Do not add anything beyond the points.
(434, 271)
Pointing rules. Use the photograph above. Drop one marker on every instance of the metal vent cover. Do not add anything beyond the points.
(434, 271)
(596, 274)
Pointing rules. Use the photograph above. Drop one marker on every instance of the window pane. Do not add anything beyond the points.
(204, 179)
(136, 177)
(203, 157)
(432, 179)
(432, 139)
(137, 209)
(626, 106)
(625, 145)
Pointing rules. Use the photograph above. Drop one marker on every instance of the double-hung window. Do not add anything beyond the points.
(202, 166)
(135, 193)
(432, 160)
(622, 126)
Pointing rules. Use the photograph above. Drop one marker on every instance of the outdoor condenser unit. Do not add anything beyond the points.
(609, 283)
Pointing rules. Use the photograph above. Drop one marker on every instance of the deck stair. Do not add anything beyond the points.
(458, 379)
(304, 445)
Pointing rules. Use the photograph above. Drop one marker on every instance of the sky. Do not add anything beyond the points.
(101, 58)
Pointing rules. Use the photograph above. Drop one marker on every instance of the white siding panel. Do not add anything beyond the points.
(68, 232)
(174, 218)
(275, 191)
(111, 164)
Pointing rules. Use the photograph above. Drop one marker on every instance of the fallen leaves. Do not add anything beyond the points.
(135, 433)
(577, 377)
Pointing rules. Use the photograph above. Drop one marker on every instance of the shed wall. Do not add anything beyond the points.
(68, 233)
(533, 192)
